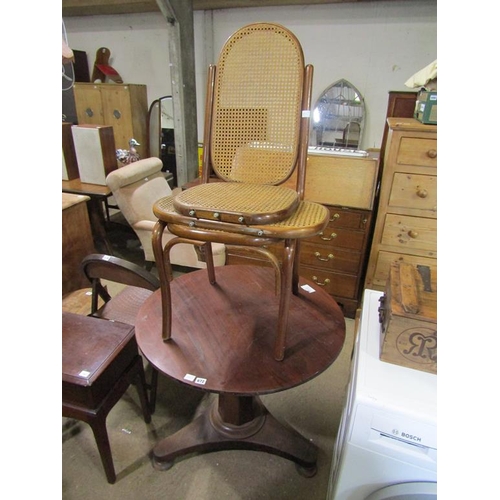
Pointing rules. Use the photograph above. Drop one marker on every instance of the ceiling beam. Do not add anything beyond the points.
(104, 7)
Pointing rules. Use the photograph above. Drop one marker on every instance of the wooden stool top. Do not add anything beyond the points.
(91, 345)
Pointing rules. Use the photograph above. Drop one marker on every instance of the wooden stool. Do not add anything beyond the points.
(100, 360)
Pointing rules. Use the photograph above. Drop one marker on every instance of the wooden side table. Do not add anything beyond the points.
(222, 342)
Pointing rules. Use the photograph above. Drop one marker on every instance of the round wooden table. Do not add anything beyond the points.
(222, 342)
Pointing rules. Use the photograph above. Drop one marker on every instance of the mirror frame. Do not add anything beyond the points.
(338, 113)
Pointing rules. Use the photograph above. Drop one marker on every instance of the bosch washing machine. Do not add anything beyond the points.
(386, 446)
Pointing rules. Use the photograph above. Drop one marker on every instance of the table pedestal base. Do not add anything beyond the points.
(237, 422)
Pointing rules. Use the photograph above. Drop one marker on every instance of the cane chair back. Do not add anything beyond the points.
(257, 106)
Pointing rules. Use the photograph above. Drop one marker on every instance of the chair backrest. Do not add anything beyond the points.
(254, 107)
(97, 267)
(136, 187)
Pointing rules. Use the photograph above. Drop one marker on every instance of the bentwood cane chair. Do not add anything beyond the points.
(255, 138)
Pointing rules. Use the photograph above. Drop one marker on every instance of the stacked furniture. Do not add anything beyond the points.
(336, 259)
(405, 229)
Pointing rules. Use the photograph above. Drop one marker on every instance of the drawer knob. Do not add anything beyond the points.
(334, 216)
(89, 112)
(327, 238)
(315, 279)
(422, 193)
(432, 153)
(323, 259)
(412, 234)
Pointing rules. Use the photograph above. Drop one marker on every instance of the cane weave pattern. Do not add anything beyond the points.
(257, 105)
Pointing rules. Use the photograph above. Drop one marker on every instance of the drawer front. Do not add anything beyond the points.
(410, 233)
(327, 257)
(347, 218)
(414, 191)
(340, 238)
(333, 283)
(421, 152)
(385, 259)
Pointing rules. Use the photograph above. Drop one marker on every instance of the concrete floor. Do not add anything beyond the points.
(313, 409)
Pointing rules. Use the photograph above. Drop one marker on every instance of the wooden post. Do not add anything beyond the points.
(179, 16)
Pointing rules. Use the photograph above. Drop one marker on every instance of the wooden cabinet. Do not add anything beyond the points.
(406, 225)
(336, 259)
(77, 241)
(123, 106)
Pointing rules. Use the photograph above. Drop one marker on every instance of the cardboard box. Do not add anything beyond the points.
(426, 108)
(408, 314)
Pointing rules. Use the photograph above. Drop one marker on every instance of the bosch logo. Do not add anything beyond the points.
(411, 437)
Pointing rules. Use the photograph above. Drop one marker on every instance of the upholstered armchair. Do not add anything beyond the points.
(136, 187)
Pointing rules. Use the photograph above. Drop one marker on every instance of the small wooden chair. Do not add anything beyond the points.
(100, 359)
(124, 305)
(256, 136)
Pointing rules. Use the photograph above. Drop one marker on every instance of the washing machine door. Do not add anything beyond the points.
(406, 491)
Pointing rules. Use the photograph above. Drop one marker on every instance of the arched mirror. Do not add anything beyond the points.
(161, 136)
(338, 117)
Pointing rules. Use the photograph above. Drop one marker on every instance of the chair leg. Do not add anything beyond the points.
(98, 426)
(164, 278)
(152, 390)
(137, 373)
(209, 261)
(285, 298)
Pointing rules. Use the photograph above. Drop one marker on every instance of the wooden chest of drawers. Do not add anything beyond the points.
(406, 225)
(336, 259)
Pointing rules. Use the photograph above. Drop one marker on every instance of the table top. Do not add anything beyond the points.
(69, 199)
(223, 335)
(76, 186)
(89, 345)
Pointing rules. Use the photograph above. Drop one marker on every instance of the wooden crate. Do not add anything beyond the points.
(409, 317)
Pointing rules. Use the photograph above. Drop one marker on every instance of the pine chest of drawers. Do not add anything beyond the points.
(406, 225)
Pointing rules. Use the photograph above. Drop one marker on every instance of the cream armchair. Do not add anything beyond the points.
(136, 187)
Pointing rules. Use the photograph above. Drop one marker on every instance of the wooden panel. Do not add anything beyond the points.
(334, 180)
(69, 162)
(77, 241)
(414, 234)
(415, 192)
(88, 104)
(124, 107)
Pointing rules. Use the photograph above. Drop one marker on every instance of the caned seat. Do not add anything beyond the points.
(256, 137)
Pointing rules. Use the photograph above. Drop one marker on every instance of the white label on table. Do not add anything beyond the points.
(84, 373)
(201, 381)
(189, 377)
(308, 288)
